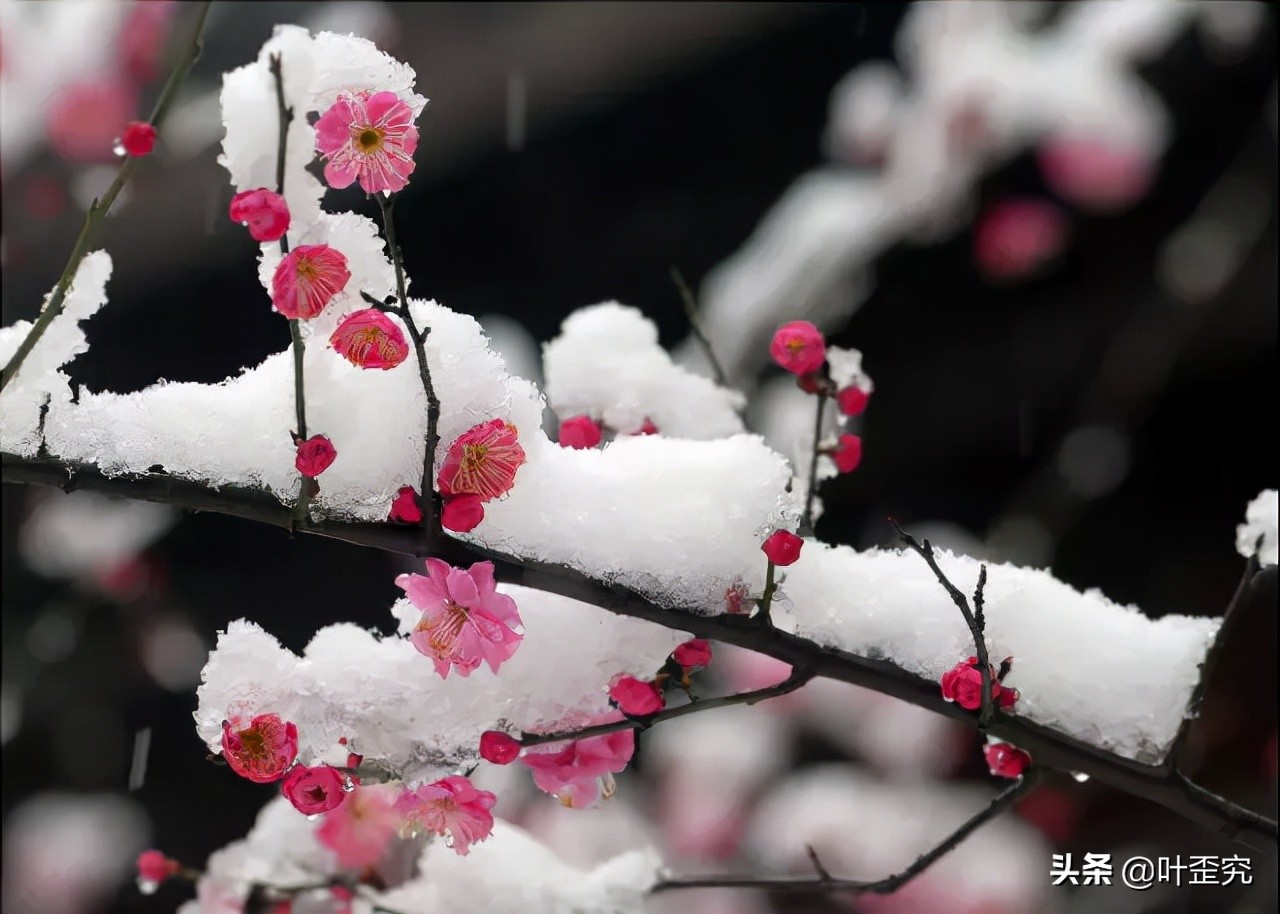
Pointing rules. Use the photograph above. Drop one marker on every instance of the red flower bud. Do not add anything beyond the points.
(462, 513)
(498, 747)
(635, 696)
(782, 547)
(852, 401)
(579, 432)
(693, 655)
(138, 139)
(1006, 760)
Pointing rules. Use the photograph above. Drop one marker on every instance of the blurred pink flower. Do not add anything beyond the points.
(1096, 173)
(579, 432)
(138, 138)
(307, 279)
(452, 807)
(1015, 239)
(83, 120)
(359, 830)
(636, 697)
(369, 138)
(1006, 760)
(848, 453)
(798, 347)
(852, 401)
(464, 618)
(579, 772)
(482, 461)
(370, 339)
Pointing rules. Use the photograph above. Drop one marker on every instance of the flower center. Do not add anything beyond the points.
(368, 140)
(795, 345)
(253, 744)
(442, 633)
(307, 269)
(473, 457)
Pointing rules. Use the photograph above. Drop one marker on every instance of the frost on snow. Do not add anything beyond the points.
(1260, 523)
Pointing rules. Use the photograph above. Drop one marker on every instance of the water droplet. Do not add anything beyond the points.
(448, 839)
(1080, 776)
(119, 150)
(313, 817)
(147, 886)
(348, 785)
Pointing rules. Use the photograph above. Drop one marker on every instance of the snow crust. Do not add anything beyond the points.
(509, 873)
(1260, 521)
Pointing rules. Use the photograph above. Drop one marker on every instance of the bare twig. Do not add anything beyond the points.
(824, 882)
(974, 620)
(1050, 748)
(691, 313)
(797, 679)
(806, 519)
(100, 207)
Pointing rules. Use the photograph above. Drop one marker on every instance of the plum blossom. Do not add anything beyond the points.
(262, 751)
(370, 339)
(636, 697)
(315, 455)
(464, 618)
(462, 513)
(963, 685)
(580, 432)
(154, 868)
(847, 453)
(404, 507)
(1006, 760)
(782, 547)
(852, 401)
(482, 461)
(1099, 174)
(452, 807)
(368, 138)
(694, 654)
(360, 829)
(1015, 239)
(84, 118)
(798, 347)
(580, 772)
(498, 747)
(314, 790)
(264, 212)
(138, 138)
(307, 279)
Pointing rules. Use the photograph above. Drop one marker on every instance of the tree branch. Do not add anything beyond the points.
(824, 882)
(797, 679)
(691, 312)
(1050, 748)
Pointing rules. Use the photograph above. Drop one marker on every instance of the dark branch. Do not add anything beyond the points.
(1050, 748)
(824, 882)
(806, 519)
(790, 684)
(691, 312)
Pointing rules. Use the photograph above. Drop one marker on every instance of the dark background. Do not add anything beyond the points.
(619, 179)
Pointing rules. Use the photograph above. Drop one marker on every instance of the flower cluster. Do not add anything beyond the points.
(581, 772)
(963, 685)
(479, 466)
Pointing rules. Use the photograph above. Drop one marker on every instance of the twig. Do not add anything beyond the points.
(766, 598)
(1050, 748)
(691, 313)
(797, 679)
(806, 519)
(925, 550)
(430, 516)
(99, 208)
(824, 882)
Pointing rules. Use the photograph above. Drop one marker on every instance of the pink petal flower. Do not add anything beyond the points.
(498, 747)
(452, 807)
(83, 121)
(143, 39)
(694, 654)
(464, 619)
(1096, 173)
(370, 339)
(154, 867)
(462, 513)
(798, 347)
(405, 508)
(636, 697)
(482, 461)
(263, 211)
(1016, 239)
(262, 751)
(579, 772)
(963, 685)
(1006, 760)
(368, 138)
(307, 279)
(848, 453)
(852, 401)
(579, 432)
(360, 829)
(138, 138)
(647, 427)
(314, 790)
(782, 547)
(315, 455)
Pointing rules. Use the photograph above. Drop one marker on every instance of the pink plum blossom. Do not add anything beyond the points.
(579, 432)
(1015, 239)
(636, 697)
(368, 138)
(314, 790)
(782, 547)
(154, 867)
(315, 455)
(452, 807)
(963, 685)
(307, 279)
(404, 507)
(360, 829)
(263, 211)
(464, 618)
(462, 513)
(1096, 173)
(498, 747)
(847, 453)
(852, 401)
(1006, 760)
(694, 654)
(482, 461)
(262, 751)
(798, 347)
(83, 119)
(138, 138)
(370, 339)
(579, 772)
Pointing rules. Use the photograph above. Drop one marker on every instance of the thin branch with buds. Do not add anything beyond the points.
(824, 882)
(691, 312)
(100, 207)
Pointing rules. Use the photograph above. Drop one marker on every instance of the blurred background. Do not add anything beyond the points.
(1062, 379)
